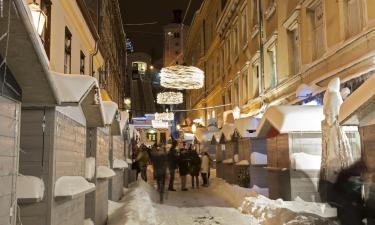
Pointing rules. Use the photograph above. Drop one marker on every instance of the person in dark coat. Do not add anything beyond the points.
(195, 167)
(183, 167)
(160, 163)
(172, 165)
(142, 161)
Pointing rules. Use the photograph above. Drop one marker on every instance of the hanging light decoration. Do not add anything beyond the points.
(182, 77)
(166, 116)
(169, 98)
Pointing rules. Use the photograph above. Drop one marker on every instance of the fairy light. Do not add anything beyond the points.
(166, 116)
(182, 77)
(169, 98)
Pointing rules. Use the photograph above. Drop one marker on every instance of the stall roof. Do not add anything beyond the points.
(228, 131)
(246, 124)
(26, 57)
(72, 186)
(291, 118)
(206, 135)
(30, 189)
(359, 107)
(110, 109)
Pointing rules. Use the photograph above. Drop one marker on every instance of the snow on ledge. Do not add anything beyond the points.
(129, 161)
(72, 186)
(88, 222)
(304, 161)
(103, 172)
(227, 161)
(119, 164)
(291, 118)
(109, 110)
(258, 158)
(30, 188)
(243, 163)
(90, 168)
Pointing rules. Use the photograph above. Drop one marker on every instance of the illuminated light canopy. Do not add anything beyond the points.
(158, 124)
(167, 116)
(39, 17)
(182, 77)
(169, 98)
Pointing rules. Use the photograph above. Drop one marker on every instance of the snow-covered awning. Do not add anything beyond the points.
(119, 164)
(103, 172)
(290, 118)
(72, 187)
(112, 117)
(29, 189)
(359, 108)
(228, 131)
(26, 57)
(246, 126)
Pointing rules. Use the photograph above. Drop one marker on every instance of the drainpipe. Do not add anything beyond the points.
(97, 41)
(261, 46)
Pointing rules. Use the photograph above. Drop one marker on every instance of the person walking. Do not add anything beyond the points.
(195, 165)
(183, 167)
(205, 167)
(159, 161)
(142, 162)
(172, 165)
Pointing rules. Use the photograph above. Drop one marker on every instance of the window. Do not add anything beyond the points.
(213, 71)
(176, 34)
(294, 50)
(255, 16)
(235, 93)
(255, 78)
(223, 3)
(354, 21)
(316, 16)
(271, 81)
(245, 83)
(271, 8)
(67, 51)
(244, 25)
(82, 63)
(235, 40)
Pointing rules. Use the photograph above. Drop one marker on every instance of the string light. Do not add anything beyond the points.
(167, 116)
(182, 77)
(169, 98)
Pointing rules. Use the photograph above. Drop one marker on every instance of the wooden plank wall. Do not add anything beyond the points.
(9, 141)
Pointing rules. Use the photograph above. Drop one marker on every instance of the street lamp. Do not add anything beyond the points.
(178, 127)
(39, 17)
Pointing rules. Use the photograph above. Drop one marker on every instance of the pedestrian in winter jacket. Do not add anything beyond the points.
(142, 161)
(160, 162)
(205, 167)
(172, 165)
(183, 166)
(195, 167)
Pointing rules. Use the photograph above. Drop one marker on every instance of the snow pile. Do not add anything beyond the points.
(236, 158)
(259, 190)
(104, 172)
(243, 163)
(30, 187)
(119, 164)
(72, 185)
(304, 161)
(228, 161)
(258, 158)
(138, 208)
(88, 222)
(90, 168)
(268, 211)
(114, 206)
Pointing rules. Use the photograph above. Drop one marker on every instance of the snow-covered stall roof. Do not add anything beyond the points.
(119, 164)
(29, 189)
(90, 168)
(103, 172)
(72, 186)
(216, 136)
(228, 131)
(291, 118)
(246, 124)
(359, 107)
(110, 109)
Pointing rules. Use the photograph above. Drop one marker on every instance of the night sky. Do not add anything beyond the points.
(149, 38)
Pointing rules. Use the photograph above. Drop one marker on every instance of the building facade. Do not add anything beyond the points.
(258, 53)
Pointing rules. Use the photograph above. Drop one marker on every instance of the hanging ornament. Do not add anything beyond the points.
(182, 77)
(169, 98)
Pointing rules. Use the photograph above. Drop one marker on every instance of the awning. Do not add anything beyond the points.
(290, 118)
(246, 127)
(359, 107)
(26, 57)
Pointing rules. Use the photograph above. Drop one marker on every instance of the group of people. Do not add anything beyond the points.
(165, 161)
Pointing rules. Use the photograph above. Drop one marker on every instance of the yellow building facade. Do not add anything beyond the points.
(260, 52)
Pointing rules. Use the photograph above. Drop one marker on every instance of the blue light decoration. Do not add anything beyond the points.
(129, 46)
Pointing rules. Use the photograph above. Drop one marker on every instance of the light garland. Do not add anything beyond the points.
(182, 77)
(169, 98)
(158, 124)
(167, 116)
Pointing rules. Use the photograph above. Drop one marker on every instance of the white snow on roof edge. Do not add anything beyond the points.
(30, 187)
(109, 109)
(68, 186)
(119, 164)
(103, 172)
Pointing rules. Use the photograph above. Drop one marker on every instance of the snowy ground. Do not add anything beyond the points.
(219, 204)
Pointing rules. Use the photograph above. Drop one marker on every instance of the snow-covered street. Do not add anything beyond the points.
(197, 206)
